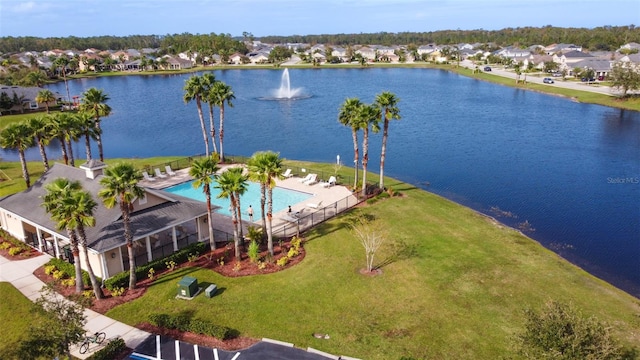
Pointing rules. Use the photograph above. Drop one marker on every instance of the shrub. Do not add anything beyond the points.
(14, 251)
(262, 265)
(237, 266)
(57, 274)
(111, 351)
(253, 251)
(192, 257)
(282, 261)
(117, 291)
(69, 270)
(5, 245)
(293, 253)
(179, 257)
(184, 323)
(49, 269)
(151, 273)
(87, 293)
(296, 243)
(68, 282)
(171, 265)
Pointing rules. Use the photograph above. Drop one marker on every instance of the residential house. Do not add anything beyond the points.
(601, 67)
(176, 63)
(236, 58)
(27, 96)
(258, 57)
(561, 48)
(367, 52)
(161, 222)
(512, 52)
(568, 59)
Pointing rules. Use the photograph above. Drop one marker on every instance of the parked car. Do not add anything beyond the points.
(547, 80)
(584, 79)
(600, 78)
(556, 74)
(487, 68)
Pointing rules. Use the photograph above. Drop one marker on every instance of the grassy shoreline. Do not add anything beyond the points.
(454, 284)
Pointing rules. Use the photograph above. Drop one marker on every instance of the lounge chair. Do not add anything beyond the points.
(306, 178)
(158, 174)
(314, 205)
(287, 174)
(313, 179)
(147, 176)
(331, 182)
(168, 170)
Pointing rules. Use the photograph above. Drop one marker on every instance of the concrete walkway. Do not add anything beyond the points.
(20, 275)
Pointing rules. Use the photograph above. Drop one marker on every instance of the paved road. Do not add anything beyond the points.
(558, 82)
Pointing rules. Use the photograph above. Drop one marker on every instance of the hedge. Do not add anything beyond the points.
(121, 280)
(69, 270)
(113, 348)
(184, 323)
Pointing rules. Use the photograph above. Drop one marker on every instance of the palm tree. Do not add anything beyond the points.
(348, 117)
(58, 124)
(83, 206)
(209, 80)
(368, 115)
(389, 103)
(36, 78)
(56, 203)
(94, 101)
(40, 131)
(231, 183)
(266, 167)
(120, 186)
(222, 93)
(18, 136)
(195, 89)
(45, 96)
(87, 127)
(72, 208)
(202, 171)
(62, 62)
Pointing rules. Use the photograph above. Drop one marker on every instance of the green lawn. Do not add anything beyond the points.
(456, 291)
(16, 314)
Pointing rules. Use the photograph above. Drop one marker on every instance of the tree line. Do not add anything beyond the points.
(604, 38)
(169, 44)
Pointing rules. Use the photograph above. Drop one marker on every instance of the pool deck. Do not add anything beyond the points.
(323, 196)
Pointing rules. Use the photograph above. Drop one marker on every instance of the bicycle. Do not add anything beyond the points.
(96, 338)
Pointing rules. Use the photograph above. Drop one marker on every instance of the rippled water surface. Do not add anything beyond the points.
(570, 171)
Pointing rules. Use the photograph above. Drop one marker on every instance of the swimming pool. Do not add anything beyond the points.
(281, 198)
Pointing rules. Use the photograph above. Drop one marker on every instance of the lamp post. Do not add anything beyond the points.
(355, 181)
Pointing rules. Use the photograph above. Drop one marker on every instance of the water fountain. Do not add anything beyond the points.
(285, 91)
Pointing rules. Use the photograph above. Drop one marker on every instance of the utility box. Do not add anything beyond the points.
(188, 286)
(210, 291)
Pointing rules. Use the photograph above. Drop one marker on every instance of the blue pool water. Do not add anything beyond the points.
(281, 198)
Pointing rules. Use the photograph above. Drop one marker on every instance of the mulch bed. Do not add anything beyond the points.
(221, 260)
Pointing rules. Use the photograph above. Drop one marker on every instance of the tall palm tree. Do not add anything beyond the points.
(266, 167)
(120, 187)
(40, 130)
(87, 126)
(195, 89)
(62, 62)
(231, 183)
(95, 102)
(222, 93)
(36, 78)
(58, 124)
(83, 206)
(209, 80)
(18, 136)
(203, 171)
(368, 116)
(45, 96)
(73, 131)
(56, 203)
(388, 102)
(348, 116)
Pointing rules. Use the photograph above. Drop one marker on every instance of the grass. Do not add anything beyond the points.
(454, 286)
(11, 173)
(16, 314)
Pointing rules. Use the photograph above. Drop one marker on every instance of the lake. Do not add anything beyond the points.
(569, 171)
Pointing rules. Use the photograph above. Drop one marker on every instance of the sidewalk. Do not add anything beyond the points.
(20, 275)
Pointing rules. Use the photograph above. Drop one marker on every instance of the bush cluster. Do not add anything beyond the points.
(67, 270)
(181, 256)
(185, 323)
(113, 348)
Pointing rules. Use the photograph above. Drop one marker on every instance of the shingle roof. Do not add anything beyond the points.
(108, 233)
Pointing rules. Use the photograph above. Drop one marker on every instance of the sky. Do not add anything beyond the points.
(85, 18)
